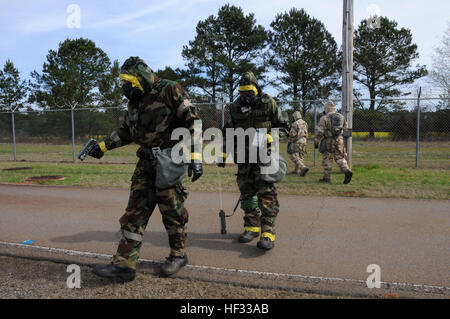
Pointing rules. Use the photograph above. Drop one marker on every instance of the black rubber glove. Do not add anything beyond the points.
(96, 152)
(219, 164)
(197, 169)
(316, 145)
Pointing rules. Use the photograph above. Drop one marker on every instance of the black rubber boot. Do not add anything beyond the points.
(304, 171)
(265, 243)
(115, 271)
(348, 176)
(325, 180)
(173, 264)
(247, 236)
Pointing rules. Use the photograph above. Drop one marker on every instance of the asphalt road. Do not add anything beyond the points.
(321, 237)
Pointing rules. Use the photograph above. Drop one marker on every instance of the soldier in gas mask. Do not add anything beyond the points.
(330, 129)
(156, 107)
(255, 109)
(297, 143)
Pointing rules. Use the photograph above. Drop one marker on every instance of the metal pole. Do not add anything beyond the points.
(347, 73)
(223, 115)
(418, 128)
(13, 133)
(315, 125)
(73, 136)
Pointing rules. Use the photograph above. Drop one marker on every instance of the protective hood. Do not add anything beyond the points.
(136, 71)
(297, 115)
(247, 82)
(329, 107)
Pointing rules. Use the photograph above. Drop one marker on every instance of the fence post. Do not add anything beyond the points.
(315, 124)
(73, 135)
(418, 127)
(13, 133)
(223, 115)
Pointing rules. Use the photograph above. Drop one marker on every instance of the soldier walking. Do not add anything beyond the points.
(255, 109)
(330, 129)
(156, 107)
(298, 136)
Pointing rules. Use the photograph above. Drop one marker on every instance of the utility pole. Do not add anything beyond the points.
(347, 74)
(418, 127)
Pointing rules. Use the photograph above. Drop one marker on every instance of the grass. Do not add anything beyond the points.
(382, 152)
(382, 169)
(62, 153)
(371, 179)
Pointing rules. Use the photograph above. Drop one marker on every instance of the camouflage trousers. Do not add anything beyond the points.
(142, 201)
(335, 151)
(258, 200)
(299, 155)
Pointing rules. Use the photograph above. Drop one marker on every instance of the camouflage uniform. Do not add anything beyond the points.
(149, 123)
(335, 147)
(258, 198)
(298, 135)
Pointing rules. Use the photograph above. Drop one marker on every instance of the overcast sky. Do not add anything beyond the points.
(157, 30)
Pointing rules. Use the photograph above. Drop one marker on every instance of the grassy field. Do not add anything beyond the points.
(379, 152)
(382, 169)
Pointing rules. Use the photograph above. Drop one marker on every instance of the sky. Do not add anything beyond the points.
(157, 30)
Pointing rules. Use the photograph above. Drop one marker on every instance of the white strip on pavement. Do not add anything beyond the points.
(241, 271)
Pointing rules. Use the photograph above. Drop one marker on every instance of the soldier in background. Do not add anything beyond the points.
(255, 109)
(298, 136)
(156, 107)
(330, 129)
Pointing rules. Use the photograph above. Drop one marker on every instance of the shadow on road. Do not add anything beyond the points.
(211, 241)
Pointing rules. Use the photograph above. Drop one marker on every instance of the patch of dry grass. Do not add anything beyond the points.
(25, 278)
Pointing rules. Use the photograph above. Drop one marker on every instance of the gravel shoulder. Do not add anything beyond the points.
(42, 279)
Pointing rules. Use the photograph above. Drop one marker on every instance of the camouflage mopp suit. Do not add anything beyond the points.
(298, 135)
(331, 128)
(255, 109)
(149, 123)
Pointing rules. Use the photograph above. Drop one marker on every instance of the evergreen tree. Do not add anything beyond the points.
(225, 46)
(382, 62)
(12, 90)
(71, 75)
(305, 56)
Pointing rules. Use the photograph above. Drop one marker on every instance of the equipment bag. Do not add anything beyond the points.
(323, 145)
(337, 124)
(291, 148)
(274, 177)
(168, 173)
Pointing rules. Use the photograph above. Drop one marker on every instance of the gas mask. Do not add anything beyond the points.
(131, 87)
(246, 99)
(133, 94)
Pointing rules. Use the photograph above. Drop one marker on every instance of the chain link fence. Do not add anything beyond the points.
(404, 133)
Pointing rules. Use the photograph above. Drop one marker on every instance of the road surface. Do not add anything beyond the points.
(322, 239)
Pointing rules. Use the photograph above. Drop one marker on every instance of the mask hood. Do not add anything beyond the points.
(138, 68)
(329, 107)
(297, 115)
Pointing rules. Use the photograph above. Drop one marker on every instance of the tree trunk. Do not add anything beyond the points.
(230, 85)
(304, 106)
(231, 91)
(295, 97)
(371, 118)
